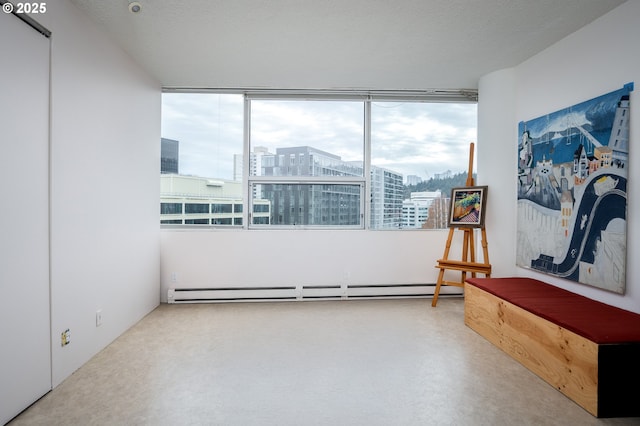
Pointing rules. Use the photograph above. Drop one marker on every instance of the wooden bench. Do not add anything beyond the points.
(587, 350)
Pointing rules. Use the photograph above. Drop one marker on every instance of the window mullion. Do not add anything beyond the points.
(326, 180)
(247, 210)
(366, 206)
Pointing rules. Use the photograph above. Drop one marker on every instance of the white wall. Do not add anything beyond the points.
(597, 59)
(496, 161)
(105, 159)
(25, 360)
(263, 258)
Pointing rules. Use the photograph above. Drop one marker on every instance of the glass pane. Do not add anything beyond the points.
(170, 208)
(171, 222)
(201, 152)
(221, 208)
(196, 208)
(426, 146)
(307, 138)
(307, 204)
(196, 221)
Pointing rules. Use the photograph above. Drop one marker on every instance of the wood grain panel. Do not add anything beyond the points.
(563, 359)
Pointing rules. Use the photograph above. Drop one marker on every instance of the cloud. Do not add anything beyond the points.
(410, 138)
(334, 127)
(209, 129)
(423, 138)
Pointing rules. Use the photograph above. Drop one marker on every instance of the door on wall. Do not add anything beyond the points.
(25, 348)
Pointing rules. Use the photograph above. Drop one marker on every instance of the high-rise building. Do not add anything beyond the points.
(255, 162)
(444, 175)
(326, 204)
(413, 179)
(416, 210)
(169, 150)
(308, 203)
(237, 167)
(386, 198)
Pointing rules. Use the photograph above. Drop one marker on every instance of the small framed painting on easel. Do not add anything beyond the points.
(468, 206)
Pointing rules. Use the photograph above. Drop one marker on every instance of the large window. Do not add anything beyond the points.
(314, 161)
(419, 151)
(307, 161)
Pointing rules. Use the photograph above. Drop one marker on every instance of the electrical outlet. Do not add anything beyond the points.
(98, 317)
(65, 338)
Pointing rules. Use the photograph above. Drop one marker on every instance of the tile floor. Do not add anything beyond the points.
(357, 362)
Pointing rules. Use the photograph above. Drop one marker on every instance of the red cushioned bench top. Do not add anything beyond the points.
(598, 322)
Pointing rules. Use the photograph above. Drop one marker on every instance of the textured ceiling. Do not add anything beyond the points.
(371, 44)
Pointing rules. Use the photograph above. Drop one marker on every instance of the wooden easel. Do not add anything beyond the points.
(468, 262)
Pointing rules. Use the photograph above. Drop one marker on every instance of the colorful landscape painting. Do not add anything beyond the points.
(572, 191)
(467, 206)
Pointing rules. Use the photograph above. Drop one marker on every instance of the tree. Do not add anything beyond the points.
(444, 185)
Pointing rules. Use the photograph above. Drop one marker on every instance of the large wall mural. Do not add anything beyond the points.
(572, 191)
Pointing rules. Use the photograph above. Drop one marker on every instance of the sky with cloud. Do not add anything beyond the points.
(410, 138)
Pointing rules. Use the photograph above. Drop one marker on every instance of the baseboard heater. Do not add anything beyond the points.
(306, 292)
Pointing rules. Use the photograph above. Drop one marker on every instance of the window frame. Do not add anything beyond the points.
(362, 181)
(367, 97)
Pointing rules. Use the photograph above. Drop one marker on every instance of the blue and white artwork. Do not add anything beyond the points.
(572, 191)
